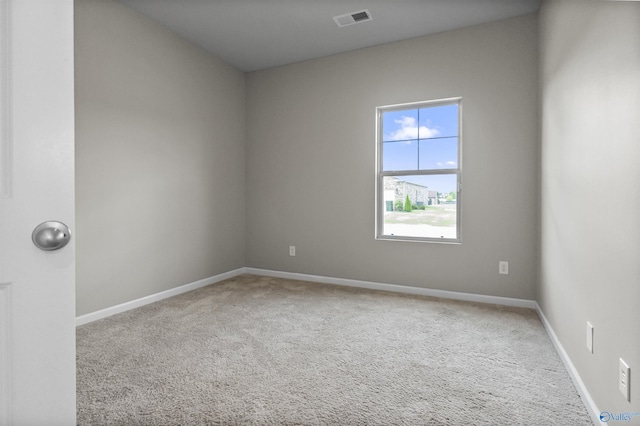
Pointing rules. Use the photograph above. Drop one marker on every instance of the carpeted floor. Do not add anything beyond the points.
(265, 351)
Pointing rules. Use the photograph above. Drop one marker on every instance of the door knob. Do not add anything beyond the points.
(51, 235)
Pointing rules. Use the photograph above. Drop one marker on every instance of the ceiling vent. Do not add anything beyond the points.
(353, 18)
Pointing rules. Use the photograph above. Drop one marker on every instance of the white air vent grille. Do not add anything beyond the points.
(353, 18)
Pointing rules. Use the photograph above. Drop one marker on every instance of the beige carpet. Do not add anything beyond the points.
(264, 351)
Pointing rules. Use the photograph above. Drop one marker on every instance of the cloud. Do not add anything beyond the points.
(410, 130)
(451, 163)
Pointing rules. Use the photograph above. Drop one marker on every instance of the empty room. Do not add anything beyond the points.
(321, 212)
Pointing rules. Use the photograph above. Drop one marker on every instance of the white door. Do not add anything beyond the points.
(37, 331)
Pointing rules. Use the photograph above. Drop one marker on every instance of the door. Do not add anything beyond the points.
(37, 325)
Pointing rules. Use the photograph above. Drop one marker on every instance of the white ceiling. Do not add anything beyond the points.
(258, 34)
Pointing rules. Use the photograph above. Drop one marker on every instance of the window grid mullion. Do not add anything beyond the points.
(418, 140)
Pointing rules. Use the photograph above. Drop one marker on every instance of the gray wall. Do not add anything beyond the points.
(162, 183)
(160, 159)
(590, 226)
(310, 160)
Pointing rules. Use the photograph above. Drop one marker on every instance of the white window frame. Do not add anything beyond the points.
(380, 174)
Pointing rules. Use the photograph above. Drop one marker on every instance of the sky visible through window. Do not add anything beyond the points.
(422, 139)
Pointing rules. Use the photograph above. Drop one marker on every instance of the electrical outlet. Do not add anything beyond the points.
(503, 267)
(292, 250)
(624, 373)
(589, 337)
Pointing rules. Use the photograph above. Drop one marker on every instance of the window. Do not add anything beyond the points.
(418, 184)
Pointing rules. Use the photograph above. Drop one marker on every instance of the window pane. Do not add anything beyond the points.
(400, 155)
(438, 121)
(400, 125)
(439, 153)
(431, 211)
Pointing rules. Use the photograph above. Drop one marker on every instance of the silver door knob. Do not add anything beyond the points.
(51, 235)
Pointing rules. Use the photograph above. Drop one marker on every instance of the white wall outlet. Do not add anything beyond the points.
(292, 250)
(624, 373)
(589, 337)
(503, 267)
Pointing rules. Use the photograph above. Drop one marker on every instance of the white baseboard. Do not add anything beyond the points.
(107, 312)
(444, 294)
(469, 297)
(573, 373)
